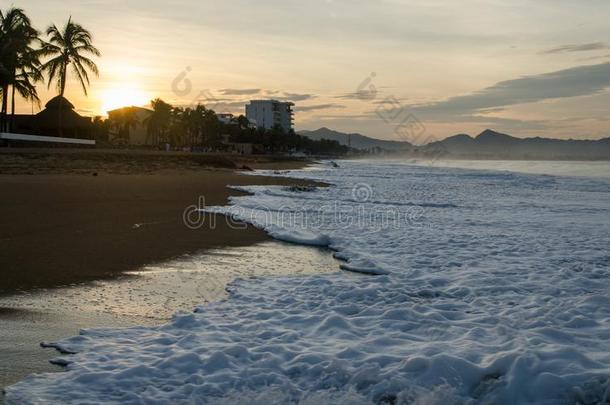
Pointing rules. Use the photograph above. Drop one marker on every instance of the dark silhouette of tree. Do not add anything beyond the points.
(18, 60)
(24, 82)
(210, 129)
(159, 121)
(243, 122)
(101, 129)
(199, 126)
(177, 126)
(194, 120)
(70, 46)
(123, 121)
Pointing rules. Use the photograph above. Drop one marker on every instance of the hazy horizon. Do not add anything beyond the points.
(520, 67)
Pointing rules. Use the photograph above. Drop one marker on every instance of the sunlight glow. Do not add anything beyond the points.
(123, 96)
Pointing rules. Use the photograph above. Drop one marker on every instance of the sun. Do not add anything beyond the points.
(123, 96)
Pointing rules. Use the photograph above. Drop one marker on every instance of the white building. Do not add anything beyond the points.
(269, 113)
(138, 134)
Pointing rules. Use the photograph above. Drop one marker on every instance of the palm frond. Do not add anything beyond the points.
(82, 77)
(52, 67)
(19, 63)
(66, 47)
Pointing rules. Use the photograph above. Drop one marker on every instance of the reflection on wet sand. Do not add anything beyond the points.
(145, 297)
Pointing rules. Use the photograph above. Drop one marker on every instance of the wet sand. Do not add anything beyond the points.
(97, 239)
(59, 227)
(146, 296)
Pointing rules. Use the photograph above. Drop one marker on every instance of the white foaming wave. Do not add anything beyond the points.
(491, 301)
(329, 338)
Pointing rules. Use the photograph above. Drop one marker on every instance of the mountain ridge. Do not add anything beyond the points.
(489, 144)
(356, 140)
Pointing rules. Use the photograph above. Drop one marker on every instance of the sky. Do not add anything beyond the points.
(416, 70)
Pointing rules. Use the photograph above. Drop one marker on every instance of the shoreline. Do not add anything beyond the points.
(146, 297)
(62, 227)
(84, 251)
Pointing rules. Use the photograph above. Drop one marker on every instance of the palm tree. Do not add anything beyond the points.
(177, 126)
(101, 129)
(158, 122)
(124, 120)
(243, 122)
(17, 57)
(210, 129)
(69, 47)
(24, 81)
(195, 120)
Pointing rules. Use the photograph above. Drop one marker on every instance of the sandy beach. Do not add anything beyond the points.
(97, 239)
(83, 215)
(304, 203)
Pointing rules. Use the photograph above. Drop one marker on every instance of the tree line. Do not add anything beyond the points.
(27, 58)
(198, 127)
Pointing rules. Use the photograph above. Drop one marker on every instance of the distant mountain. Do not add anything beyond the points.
(490, 144)
(357, 141)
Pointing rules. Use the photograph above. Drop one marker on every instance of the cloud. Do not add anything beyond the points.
(315, 107)
(220, 105)
(295, 97)
(478, 107)
(352, 96)
(239, 92)
(590, 58)
(507, 124)
(367, 94)
(573, 82)
(233, 104)
(364, 117)
(235, 99)
(593, 46)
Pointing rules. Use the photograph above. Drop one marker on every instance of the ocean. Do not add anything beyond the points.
(460, 282)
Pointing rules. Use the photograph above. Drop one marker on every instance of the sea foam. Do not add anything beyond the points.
(489, 287)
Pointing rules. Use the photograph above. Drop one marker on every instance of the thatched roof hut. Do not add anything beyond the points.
(57, 119)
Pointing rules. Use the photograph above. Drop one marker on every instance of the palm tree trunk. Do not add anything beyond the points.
(61, 104)
(4, 100)
(4, 108)
(12, 127)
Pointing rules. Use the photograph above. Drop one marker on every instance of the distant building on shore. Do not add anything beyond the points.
(226, 118)
(135, 134)
(270, 113)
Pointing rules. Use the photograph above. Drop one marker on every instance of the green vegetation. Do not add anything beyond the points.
(25, 59)
(276, 140)
(198, 128)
